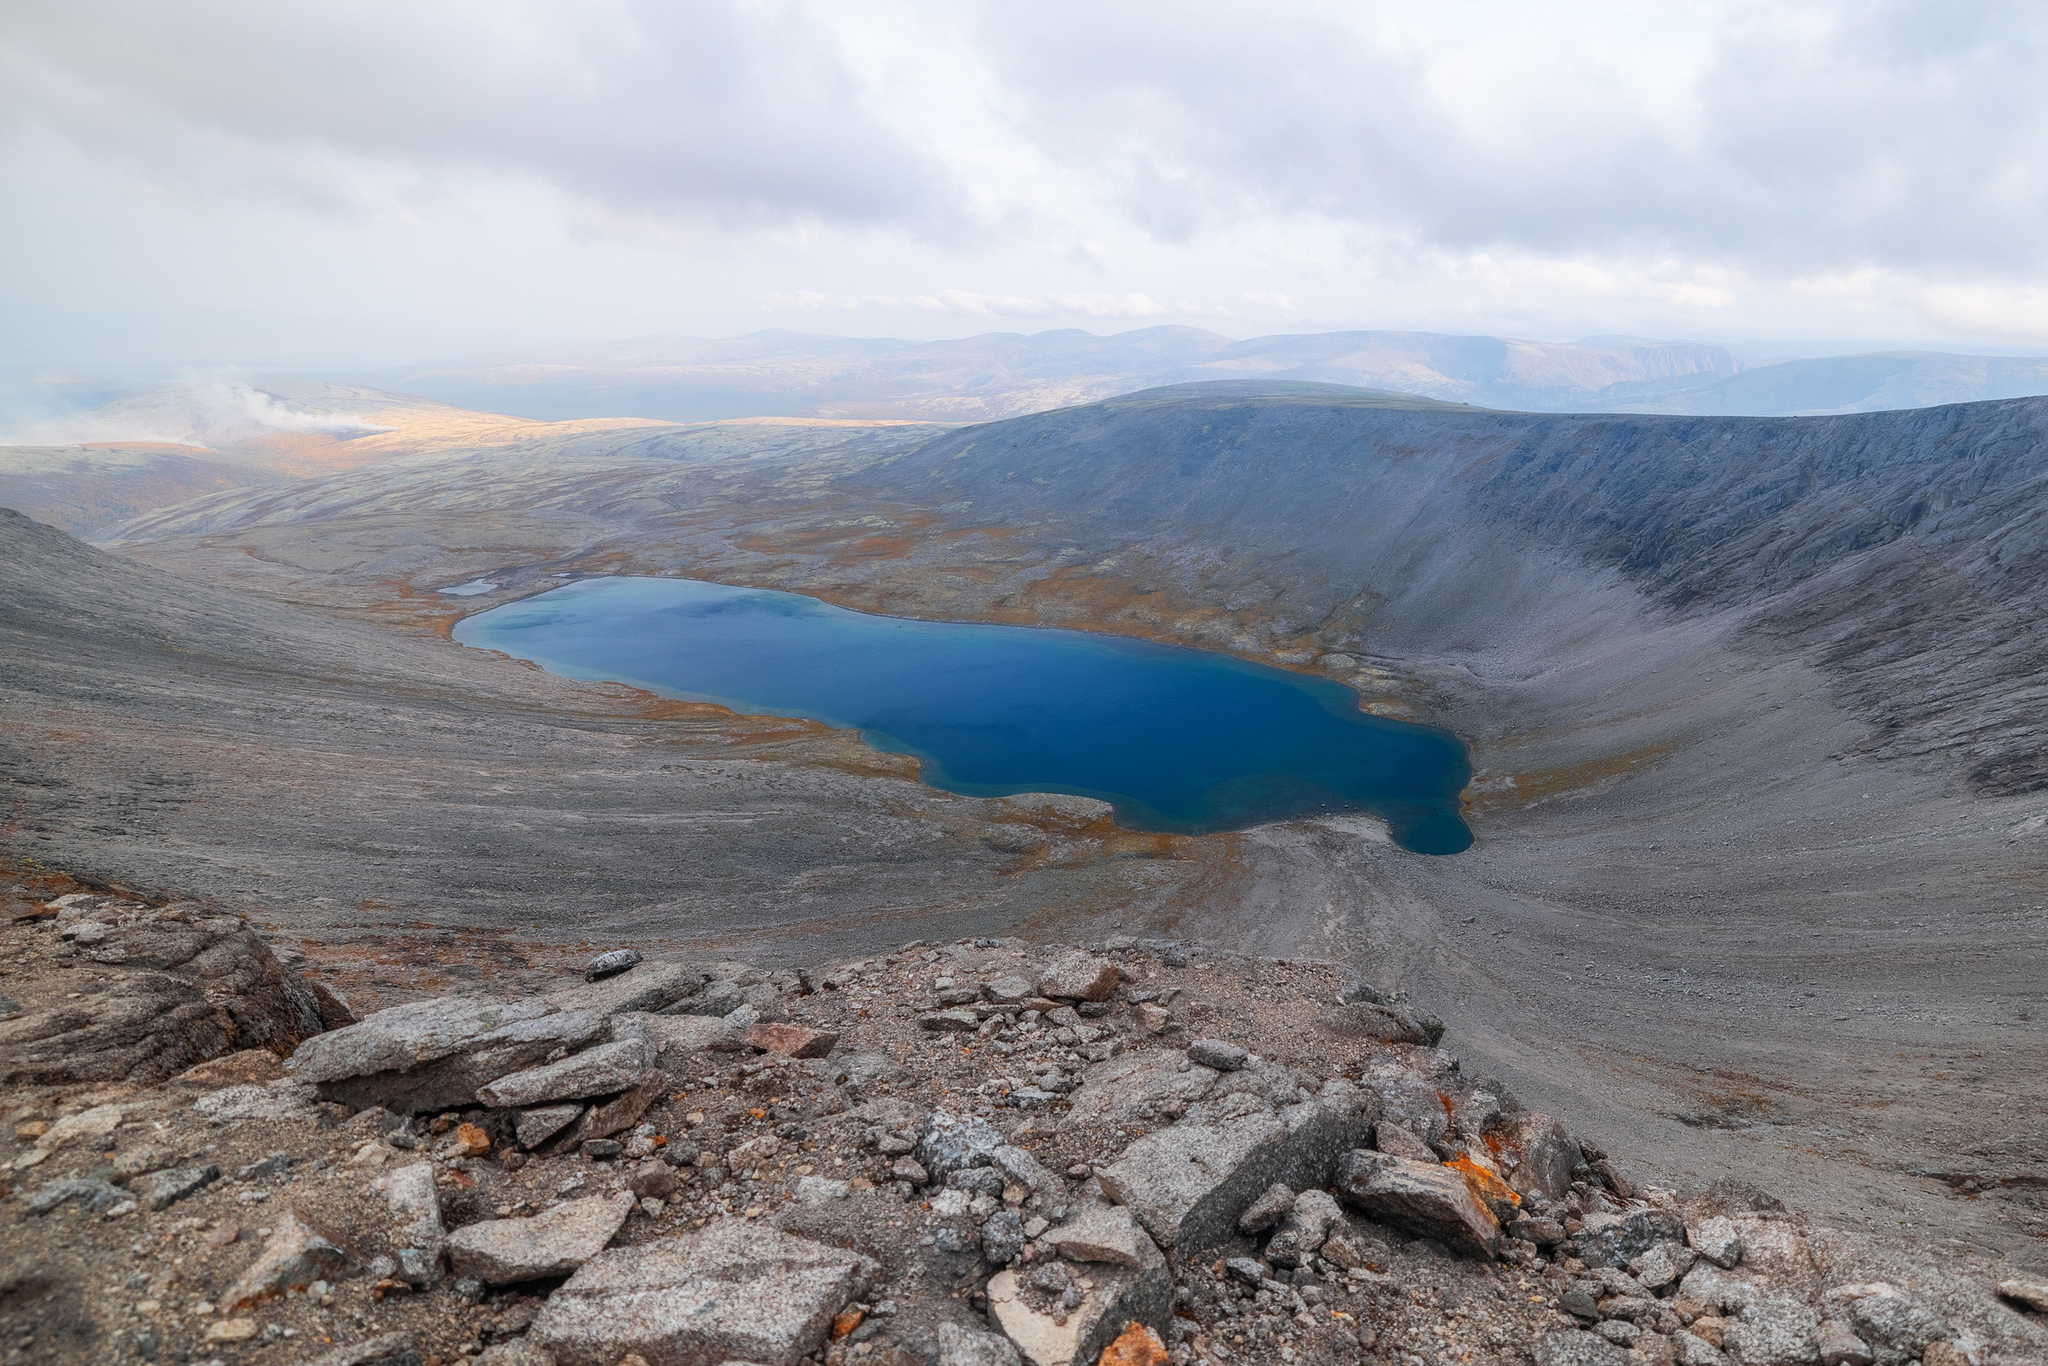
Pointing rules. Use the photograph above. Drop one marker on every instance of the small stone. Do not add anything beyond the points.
(950, 1022)
(822, 1190)
(2029, 1294)
(1154, 1018)
(1570, 1347)
(1620, 1332)
(1398, 1140)
(1245, 1269)
(610, 964)
(1137, 1345)
(1944, 1354)
(1303, 1228)
(231, 1330)
(1839, 1345)
(1219, 1054)
(1264, 1212)
(162, 1189)
(297, 1253)
(1691, 1350)
(792, 1041)
(909, 1169)
(602, 1148)
(470, 1141)
(654, 1179)
(1662, 1265)
(552, 1243)
(222, 1235)
(1579, 1304)
(949, 1142)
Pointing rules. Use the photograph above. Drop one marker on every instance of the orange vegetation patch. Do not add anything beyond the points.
(1497, 791)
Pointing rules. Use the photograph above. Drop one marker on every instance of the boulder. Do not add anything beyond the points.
(171, 988)
(737, 1291)
(610, 964)
(552, 1243)
(1187, 1184)
(1618, 1239)
(2030, 1294)
(1078, 977)
(250, 1067)
(1398, 1140)
(601, 1071)
(298, 1253)
(432, 1055)
(1839, 1346)
(684, 1033)
(1424, 1198)
(1899, 1327)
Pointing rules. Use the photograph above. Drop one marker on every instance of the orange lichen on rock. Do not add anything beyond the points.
(1137, 1345)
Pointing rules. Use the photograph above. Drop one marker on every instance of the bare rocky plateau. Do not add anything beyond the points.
(1754, 706)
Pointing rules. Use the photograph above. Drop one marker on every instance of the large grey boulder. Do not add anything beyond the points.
(601, 1071)
(1899, 1327)
(552, 1243)
(1188, 1183)
(1535, 1154)
(1425, 1198)
(1774, 1331)
(735, 1292)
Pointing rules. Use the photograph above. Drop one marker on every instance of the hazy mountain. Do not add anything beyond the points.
(1004, 374)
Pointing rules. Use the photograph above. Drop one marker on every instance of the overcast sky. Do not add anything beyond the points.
(361, 180)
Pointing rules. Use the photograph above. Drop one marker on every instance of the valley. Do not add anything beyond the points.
(1757, 885)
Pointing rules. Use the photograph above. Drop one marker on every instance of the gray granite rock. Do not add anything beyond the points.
(1570, 1347)
(1618, 1239)
(1218, 1054)
(737, 1291)
(297, 1253)
(161, 1190)
(949, 1142)
(1425, 1198)
(1303, 1228)
(536, 1126)
(552, 1243)
(968, 1347)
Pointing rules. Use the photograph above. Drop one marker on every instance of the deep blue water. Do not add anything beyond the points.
(1176, 740)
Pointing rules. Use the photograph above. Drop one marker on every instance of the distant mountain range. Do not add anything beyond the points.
(1004, 374)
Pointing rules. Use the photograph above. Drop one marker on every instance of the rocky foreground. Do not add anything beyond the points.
(970, 1154)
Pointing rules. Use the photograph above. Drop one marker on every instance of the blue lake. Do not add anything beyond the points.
(1176, 740)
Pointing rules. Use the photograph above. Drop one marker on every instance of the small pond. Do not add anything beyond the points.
(1175, 740)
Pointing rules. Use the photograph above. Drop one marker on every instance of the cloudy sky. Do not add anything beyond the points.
(355, 181)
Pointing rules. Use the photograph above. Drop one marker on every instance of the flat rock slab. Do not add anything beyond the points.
(650, 986)
(552, 1243)
(601, 1071)
(1049, 1335)
(735, 1292)
(1422, 1197)
(1102, 1234)
(405, 1037)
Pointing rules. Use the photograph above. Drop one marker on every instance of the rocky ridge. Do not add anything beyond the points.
(977, 1152)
